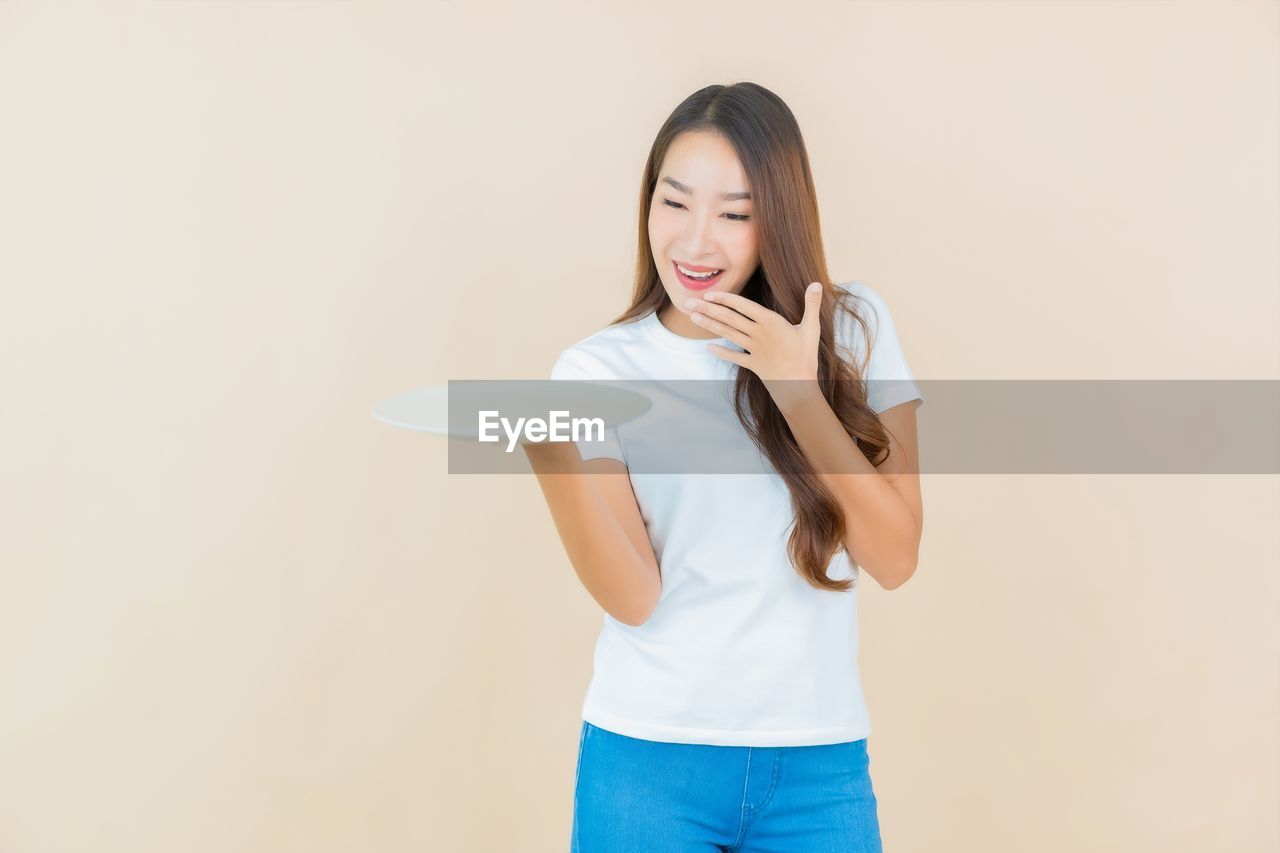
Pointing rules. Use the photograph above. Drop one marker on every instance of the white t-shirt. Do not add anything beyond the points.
(740, 650)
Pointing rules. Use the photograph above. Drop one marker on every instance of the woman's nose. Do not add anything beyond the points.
(696, 238)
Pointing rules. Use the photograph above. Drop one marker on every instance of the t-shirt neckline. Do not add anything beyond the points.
(663, 336)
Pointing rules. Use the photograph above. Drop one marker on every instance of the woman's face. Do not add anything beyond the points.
(692, 224)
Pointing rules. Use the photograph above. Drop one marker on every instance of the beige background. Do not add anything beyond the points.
(239, 614)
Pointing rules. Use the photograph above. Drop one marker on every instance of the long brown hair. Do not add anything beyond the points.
(766, 137)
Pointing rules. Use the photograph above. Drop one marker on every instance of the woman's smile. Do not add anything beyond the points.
(695, 283)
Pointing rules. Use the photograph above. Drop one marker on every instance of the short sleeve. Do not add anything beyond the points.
(889, 379)
(572, 365)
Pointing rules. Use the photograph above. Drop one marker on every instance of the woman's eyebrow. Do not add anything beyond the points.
(726, 196)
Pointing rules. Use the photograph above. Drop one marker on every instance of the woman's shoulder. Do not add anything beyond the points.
(864, 295)
(601, 354)
(867, 302)
(890, 377)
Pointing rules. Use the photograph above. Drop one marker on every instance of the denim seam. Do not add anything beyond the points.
(577, 774)
(582, 739)
(744, 810)
(773, 780)
(755, 811)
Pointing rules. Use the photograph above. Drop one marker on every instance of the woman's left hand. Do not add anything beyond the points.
(784, 355)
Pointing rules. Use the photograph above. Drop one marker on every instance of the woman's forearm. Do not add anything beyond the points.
(606, 561)
(882, 533)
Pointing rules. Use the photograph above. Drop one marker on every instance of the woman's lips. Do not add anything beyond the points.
(693, 283)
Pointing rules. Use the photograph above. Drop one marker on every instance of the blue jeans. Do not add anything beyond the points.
(642, 796)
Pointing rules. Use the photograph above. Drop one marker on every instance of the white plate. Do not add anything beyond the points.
(427, 409)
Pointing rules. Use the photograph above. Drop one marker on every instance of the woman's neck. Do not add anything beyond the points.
(677, 322)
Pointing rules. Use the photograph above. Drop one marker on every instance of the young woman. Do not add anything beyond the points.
(725, 709)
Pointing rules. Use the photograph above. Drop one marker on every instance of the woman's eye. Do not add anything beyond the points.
(733, 217)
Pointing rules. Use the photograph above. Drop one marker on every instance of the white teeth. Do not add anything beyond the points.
(699, 274)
